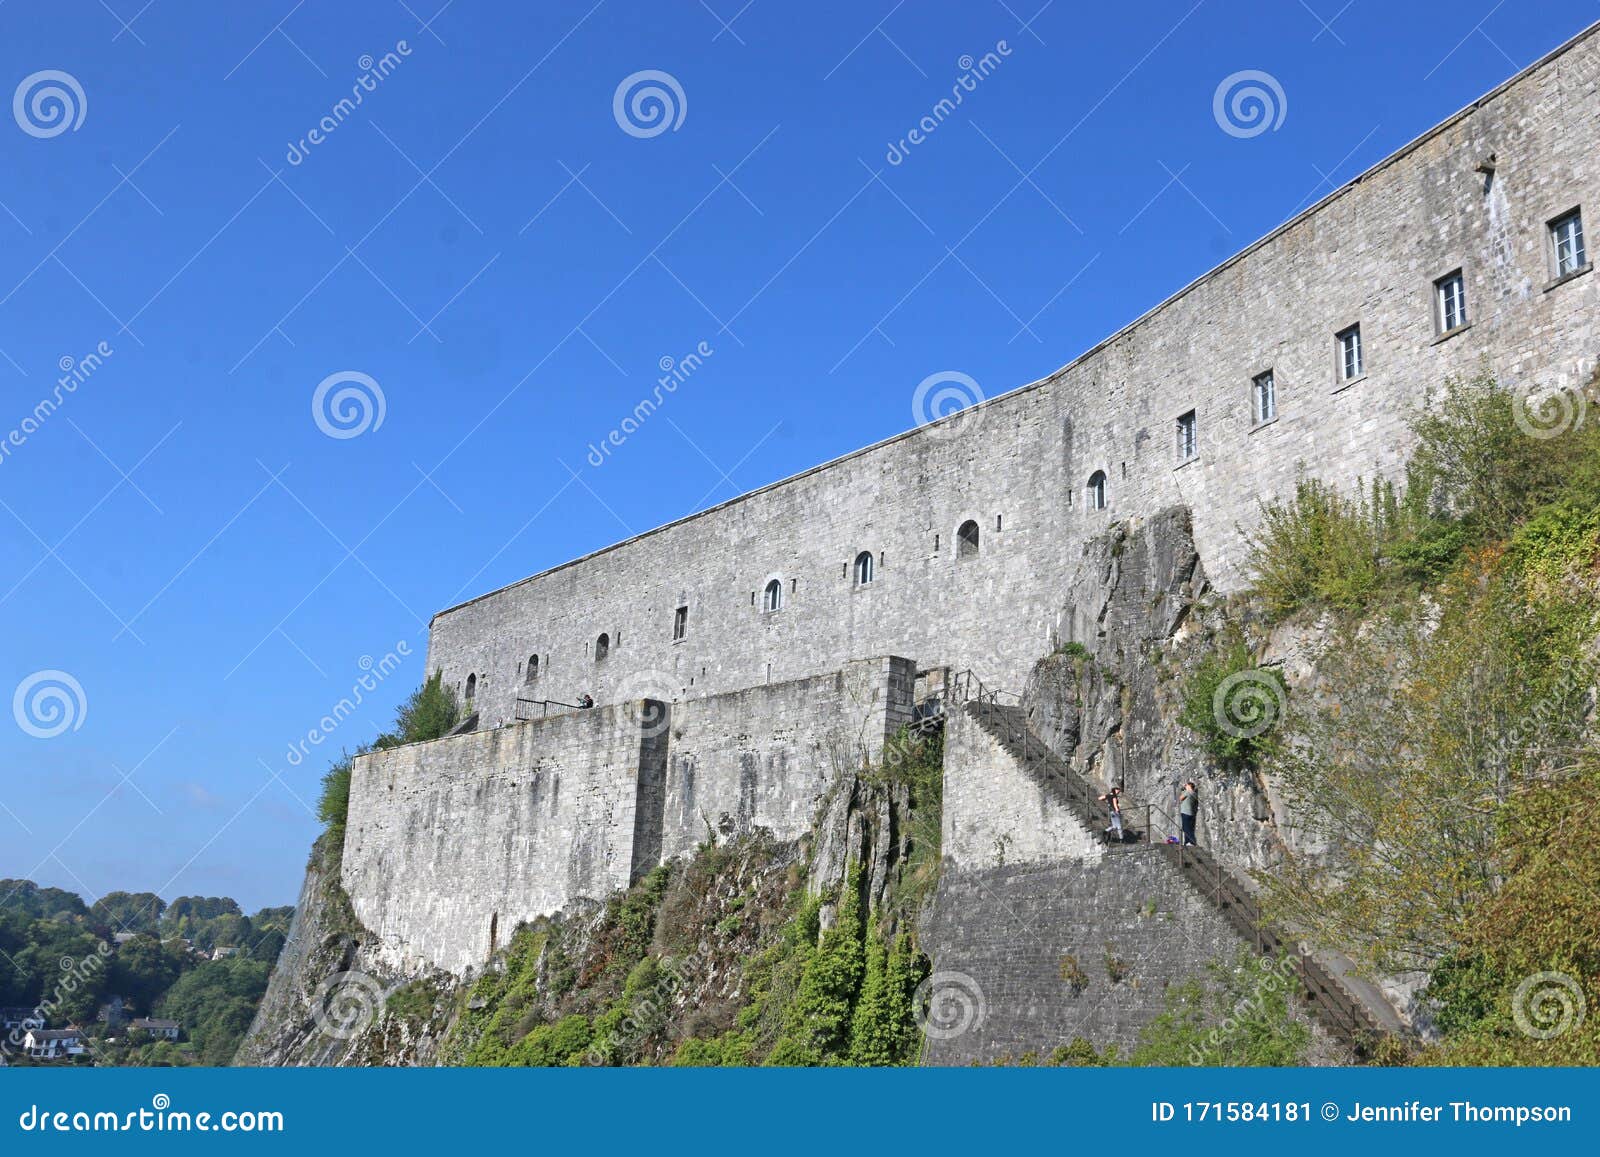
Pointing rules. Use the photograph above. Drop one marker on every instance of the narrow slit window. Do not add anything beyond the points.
(1264, 397)
(1450, 294)
(680, 623)
(1352, 360)
(1188, 437)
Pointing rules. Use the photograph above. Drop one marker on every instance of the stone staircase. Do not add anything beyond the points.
(1352, 1010)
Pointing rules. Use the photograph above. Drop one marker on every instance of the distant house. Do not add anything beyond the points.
(122, 938)
(50, 1044)
(155, 1026)
(222, 952)
(20, 1018)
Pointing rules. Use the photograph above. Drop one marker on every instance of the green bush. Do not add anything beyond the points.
(1240, 1018)
(1081, 1054)
(1473, 478)
(1317, 548)
(429, 712)
(333, 805)
(883, 1029)
(1220, 711)
(817, 1026)
(564, 1043)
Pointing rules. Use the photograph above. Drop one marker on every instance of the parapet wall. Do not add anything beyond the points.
(764, 757)
(449, 845)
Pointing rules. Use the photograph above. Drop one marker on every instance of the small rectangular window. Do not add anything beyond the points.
(1566, 239)
(1264, 397)
(680, 623)
(1188, 437)
(1450, 298)
(1351, 362)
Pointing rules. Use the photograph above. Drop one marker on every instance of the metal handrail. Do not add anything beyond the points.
(546, 704)
(1338, 1008)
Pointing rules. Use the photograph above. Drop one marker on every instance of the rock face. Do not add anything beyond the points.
(1141, 612)
(326, 1001)
(337, 997)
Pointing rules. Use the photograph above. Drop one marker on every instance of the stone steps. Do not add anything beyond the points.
(1355, 1021)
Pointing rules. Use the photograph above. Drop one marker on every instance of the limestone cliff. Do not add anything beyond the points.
(337, 998)
(1139, 613)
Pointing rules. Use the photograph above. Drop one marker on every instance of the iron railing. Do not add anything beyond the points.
(1333, 1005)
(543, 705)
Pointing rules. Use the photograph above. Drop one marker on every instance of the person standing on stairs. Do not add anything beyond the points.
(1188, 804)
(1113, 801)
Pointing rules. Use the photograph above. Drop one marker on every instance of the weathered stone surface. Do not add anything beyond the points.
(998, 812)
(1018, 465)
(1141, 605)
(1122, 927)
(451, 844)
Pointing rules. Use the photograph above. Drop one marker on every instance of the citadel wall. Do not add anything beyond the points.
(450, 844)
(1476, 194)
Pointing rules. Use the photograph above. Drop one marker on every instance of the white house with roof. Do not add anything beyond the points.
(50, 1044)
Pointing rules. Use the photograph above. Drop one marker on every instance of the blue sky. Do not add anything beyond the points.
(508, 263)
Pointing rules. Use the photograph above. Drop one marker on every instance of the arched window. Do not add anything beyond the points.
(533, 668)
(967, 540)
(772, 597)
(1097, 490)
(602, 646)
(472, 687)
(863, 568)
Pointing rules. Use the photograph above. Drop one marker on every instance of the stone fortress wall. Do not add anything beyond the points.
(1019, 465)
(450, 844)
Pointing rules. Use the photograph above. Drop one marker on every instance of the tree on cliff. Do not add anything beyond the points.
(429, 712)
